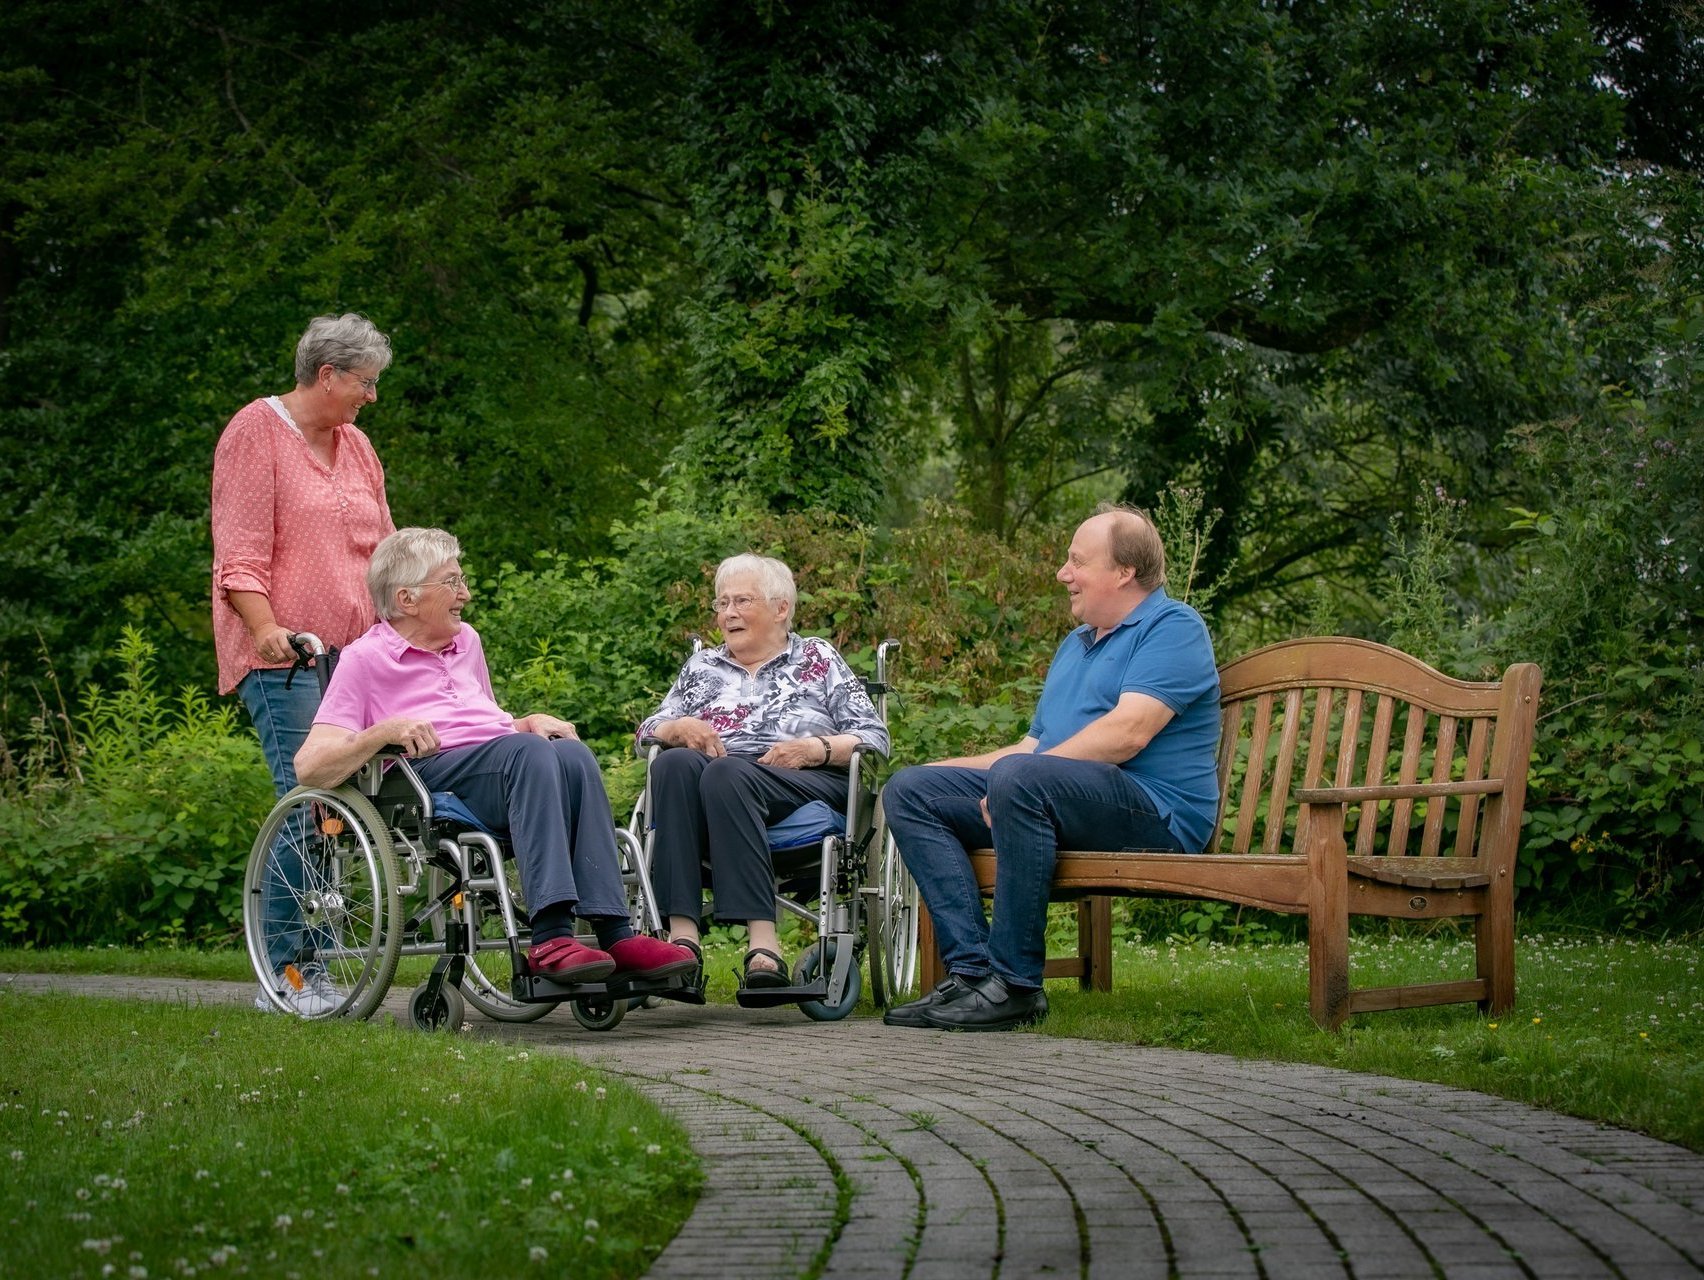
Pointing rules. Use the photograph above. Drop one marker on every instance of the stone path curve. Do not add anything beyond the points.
(866, 1151)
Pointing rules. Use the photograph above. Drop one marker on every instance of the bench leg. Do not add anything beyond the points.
(930, 970)
(1094, 942)
(1494, 943)
(1328, 917)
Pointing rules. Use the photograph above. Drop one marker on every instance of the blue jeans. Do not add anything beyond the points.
(1040, 804)
(282, 718)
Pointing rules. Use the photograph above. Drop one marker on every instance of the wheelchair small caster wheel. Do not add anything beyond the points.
(444, 1012)
(821, 1010)
(599, 1013)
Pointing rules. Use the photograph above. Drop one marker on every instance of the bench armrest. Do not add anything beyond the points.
(1397, 791)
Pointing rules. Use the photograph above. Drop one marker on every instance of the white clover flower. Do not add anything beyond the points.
(282, 1222)
(98, 1246)
(538, 1253)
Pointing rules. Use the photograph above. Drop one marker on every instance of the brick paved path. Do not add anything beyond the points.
(887, 1153)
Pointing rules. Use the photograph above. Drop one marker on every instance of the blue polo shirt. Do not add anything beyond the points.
(1161, 649)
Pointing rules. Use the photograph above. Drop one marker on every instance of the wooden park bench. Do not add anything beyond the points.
(1423, 775)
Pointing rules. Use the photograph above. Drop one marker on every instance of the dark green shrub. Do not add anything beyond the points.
(145, 834)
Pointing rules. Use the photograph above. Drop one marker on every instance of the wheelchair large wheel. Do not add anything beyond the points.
(893, 927)
(821, 1010)
(321, 886)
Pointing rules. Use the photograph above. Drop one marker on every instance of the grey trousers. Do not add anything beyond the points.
(548, 795)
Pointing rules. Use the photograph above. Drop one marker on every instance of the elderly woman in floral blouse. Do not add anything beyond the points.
(767, 722)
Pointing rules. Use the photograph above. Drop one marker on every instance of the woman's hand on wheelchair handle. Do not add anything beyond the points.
(272, 643)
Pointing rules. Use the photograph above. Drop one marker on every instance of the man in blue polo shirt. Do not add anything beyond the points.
(1120, 755)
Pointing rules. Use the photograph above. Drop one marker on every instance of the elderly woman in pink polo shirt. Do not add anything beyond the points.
(418, 680)
(298, 506)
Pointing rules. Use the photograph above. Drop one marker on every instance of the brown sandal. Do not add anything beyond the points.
(764, 979)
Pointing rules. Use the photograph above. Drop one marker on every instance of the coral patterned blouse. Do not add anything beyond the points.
(293, 529)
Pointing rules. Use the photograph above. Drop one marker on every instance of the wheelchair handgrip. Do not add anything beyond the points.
(310, 651)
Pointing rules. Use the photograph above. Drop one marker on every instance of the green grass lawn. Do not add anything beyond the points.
(1606, 1028)
(146, 1139)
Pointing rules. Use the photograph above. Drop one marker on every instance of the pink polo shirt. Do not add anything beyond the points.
(381, 675)
(293, 529)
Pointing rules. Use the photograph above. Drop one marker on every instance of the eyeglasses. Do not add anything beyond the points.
(455, 582)
(367, 384)
(738, 603)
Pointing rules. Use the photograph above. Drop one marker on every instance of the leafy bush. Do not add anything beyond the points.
(144, 836)
(1607, 599)
(599, 641)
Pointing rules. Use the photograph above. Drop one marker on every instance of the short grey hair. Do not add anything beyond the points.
(405, 559)
(1135, 544)
(348, 341)
(774, 579)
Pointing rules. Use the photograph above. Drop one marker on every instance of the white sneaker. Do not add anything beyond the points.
(318, 996)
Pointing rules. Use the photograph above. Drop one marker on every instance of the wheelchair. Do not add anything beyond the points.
(840, 872)
(380, 868)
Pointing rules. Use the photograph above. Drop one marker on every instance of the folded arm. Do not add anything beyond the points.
(331, 753)
(1120, 734)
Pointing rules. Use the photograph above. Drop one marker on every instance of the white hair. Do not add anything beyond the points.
(404, 559)
(774, 579)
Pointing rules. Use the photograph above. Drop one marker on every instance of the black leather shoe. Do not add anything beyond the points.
(985, 1004)
(911, 1015)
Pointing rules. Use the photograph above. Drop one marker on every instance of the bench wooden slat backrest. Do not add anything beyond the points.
(1329, 711)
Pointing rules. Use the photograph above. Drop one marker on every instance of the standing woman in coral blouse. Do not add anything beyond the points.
(298, 506)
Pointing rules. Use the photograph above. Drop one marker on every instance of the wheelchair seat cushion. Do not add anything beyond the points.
(806, 825)
(447, 806)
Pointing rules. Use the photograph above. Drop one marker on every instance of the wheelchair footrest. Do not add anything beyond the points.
(770, 997)
(534, 988)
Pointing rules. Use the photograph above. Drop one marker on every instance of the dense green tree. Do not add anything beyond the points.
(1309, 258)
(187, 183)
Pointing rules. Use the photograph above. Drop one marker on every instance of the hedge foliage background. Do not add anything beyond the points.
(1392, 313)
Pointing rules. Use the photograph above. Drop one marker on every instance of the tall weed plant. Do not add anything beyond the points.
(144, 836)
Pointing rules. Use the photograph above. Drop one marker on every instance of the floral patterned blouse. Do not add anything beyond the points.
(805, 690)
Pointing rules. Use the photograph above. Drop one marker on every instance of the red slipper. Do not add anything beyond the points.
(643, 957)
(570, 960)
